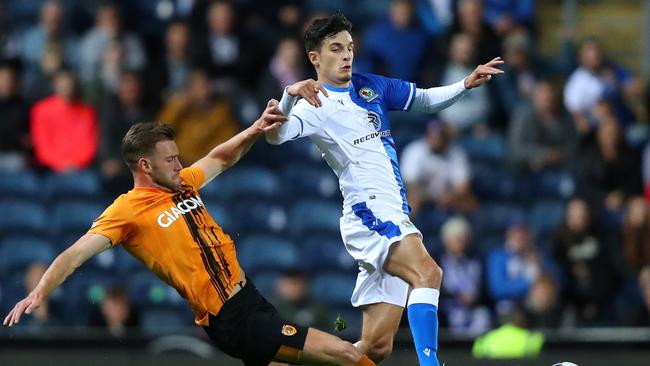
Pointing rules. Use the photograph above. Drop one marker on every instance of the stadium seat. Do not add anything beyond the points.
(491, 182)
(263, 252)
(553, 184)
(83, 291)
(485, 148)
(161, 321)
(222, 215)
(19, 251)
(72, 219)
(146, 289)
(23, 183)
(314, 216)
(248, 181)
(259, 216)
(73, 185)
(310, 181)
(266, 282)
(333, 288)
(492, 218)
(431, 219)
(22, 217)
(326, 253)
(545, 217)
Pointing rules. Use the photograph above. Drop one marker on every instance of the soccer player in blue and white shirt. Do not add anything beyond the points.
(349, 124)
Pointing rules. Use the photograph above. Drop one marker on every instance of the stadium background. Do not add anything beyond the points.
(281, 204)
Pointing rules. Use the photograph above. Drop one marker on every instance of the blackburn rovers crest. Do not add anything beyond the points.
(367, 94)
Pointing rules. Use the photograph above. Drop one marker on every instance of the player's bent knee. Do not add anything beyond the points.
(380, 349)
(430, 274)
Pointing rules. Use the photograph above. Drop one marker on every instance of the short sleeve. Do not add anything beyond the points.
(303, 121)
(398, 94)
(193, 176)
(114, 223)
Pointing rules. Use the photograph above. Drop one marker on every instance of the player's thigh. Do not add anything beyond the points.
(409, 260)
(380, 323)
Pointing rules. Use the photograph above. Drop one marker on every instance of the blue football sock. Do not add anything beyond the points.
(423, 319)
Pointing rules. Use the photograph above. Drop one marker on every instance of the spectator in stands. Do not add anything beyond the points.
(229, 54)
(469, 20)
(460, 302)
(106, 81)
(116, 314)
(40, 317)
(116, 115)
(505, 16)
(172, 73)
(595, 79)
(286, 68)
(512, 340)
(39, 84)
(201, 120)
(542, 305)
(64, 130)
(643, 314)
(49, 31)
(99, 39)
(540, 134)
(435, 16)
(397, 35)
(295, 305)
(635, 234)
(14, 129)
(437, 171)
(513, 268)
(582, 251)
(474, 107)
(607, 171)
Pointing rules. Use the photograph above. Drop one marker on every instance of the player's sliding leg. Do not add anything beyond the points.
(410, 261)
(324, 349)
(380, 323)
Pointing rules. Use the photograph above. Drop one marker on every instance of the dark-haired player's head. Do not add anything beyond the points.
(330, 49)
(149, 149)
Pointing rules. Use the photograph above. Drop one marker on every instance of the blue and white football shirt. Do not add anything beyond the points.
(352, 131)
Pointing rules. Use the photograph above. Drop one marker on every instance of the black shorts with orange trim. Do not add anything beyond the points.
(248, 327)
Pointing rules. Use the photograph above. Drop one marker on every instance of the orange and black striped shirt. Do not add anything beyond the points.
(173, 234)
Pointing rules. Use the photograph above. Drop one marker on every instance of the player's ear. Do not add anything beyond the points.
(314, 58)
(145, 165)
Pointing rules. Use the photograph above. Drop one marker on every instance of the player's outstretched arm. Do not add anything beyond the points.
(306, 89)
(66, 263)
(433, 100)
(225, 155)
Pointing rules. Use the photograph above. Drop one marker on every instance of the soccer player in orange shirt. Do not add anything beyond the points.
(163, 222)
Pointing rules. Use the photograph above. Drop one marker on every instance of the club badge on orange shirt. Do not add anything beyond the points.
(289, 330)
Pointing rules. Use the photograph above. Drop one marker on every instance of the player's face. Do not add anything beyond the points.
(334, 60)
(165, 166)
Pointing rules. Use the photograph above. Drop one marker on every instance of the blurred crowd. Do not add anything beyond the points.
(529, 192)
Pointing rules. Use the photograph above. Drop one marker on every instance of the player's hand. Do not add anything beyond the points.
(483, 73)
(26, 305)
(270, 119)
(308, 90)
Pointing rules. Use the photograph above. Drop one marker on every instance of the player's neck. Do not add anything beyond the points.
(145, 181)
(333, 85)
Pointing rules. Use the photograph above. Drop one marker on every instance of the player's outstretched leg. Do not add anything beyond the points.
(410, 261)
(325, 349)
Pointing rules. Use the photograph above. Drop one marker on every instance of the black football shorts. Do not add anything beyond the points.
(248, 327)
